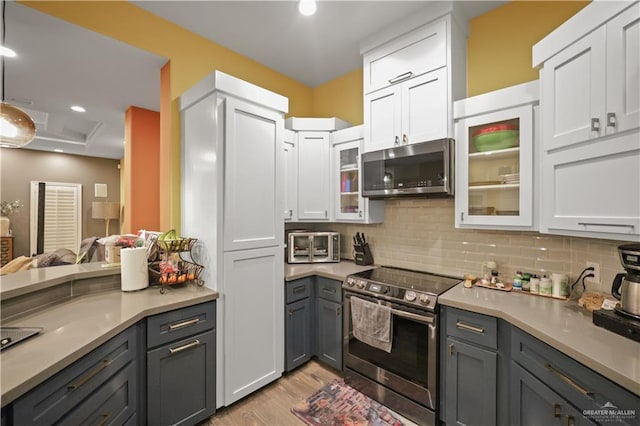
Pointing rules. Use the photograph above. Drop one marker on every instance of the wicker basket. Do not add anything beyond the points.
(186, 272)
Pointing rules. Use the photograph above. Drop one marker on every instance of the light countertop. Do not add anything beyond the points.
(560, 324)
(75, 327)
(335, 271)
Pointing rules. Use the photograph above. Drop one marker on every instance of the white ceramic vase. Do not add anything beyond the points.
(5, 225)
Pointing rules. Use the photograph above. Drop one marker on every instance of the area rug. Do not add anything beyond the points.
(338, 404)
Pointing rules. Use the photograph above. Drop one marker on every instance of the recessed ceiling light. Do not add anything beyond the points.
(78, 108)
(58, 150)
(307, 7)
(5, 51)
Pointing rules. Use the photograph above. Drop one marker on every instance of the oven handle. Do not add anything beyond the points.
(415, 317)
(408, 315)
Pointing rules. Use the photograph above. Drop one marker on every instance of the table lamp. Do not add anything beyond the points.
(105, 210)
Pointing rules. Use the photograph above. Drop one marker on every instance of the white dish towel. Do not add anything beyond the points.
(371, 323)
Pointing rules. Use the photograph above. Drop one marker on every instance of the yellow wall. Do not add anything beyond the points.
(500, 42)
(341, 98)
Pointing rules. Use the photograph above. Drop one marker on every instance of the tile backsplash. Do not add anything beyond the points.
(420, 234)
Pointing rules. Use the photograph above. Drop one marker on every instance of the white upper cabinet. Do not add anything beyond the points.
(252, 180)
(409, 56)
(590, 75)
(314, 178)
(590, 103)
(410, 81)
(290, 178)
(348, 202)
(495, 144)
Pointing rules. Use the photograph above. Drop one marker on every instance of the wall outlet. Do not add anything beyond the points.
(595, 272)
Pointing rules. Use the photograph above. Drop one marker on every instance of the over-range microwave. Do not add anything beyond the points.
(420, 169)
(313, 247)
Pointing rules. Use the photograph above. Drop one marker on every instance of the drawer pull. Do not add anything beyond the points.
(619, 225)
(103, 364)
(571, 421)
(468, 327)
(568, 380)
(556, 409)
(329, 290)
(105, 417)
(184, 323)
(401, 77)
(451, 349)
(299, 289)
(184, 347)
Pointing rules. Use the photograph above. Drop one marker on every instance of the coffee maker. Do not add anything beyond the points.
(626, 286)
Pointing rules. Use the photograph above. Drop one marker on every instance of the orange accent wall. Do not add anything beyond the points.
(142, 170)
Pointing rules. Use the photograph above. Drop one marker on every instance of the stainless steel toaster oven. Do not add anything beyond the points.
(313, 247)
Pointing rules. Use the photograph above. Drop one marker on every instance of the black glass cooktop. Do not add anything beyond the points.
(407, 279)
(618, 323)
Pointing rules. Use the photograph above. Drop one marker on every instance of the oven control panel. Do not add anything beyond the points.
(412, 297)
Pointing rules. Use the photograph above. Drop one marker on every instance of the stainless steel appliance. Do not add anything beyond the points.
(313, 247)
(406, 378)
(420, 169)
(626, 286)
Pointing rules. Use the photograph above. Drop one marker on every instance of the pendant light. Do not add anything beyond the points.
(16, 127)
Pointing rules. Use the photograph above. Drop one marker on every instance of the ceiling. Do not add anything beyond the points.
(60, 64)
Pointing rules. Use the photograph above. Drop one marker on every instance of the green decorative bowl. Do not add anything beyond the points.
(493, 138)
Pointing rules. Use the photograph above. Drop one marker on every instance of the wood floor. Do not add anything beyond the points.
(271, 405)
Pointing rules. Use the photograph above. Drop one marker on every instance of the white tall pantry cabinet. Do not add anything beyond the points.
(232, 201)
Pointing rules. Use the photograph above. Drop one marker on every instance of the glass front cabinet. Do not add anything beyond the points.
(494, 161)
(349, 204)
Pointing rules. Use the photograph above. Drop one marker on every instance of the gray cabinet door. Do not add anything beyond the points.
(471, 375)
(329, 333)
(533, 403)
(181, 381)
(298, 333)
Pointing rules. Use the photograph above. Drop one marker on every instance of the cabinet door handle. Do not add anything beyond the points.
(556, 409)
(103, 364)
(469, 327)
(338, 311)
(184, 347)
(405, 139)
(290, 213)
(326, 213)
(451, 349)
(611, 120)
(568, 380)
(397, 141)
(360, 213)
(290, 313)
(299, 289)
(104, 419)
(461, 216)
(401, 77)
(619, 225)
(595, 125)
(184, 323)
(571, 421)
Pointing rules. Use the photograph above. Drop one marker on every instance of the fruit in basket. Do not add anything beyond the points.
(163, 279)
(191, 276)
(172, 279)
(182, 278)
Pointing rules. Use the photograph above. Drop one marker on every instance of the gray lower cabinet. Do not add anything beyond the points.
(100, 388)
(298, 335)
(313, 322)
(181, 370)
(328, 318)
(494, 373)
(471, 372)
(329, 333)
(533, 403)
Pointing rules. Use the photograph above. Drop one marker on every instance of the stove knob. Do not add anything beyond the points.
(351, 281)
(361, 285)
(424, 299)
(410, 296)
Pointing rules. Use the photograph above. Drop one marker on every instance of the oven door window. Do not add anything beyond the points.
(320, 247)
(408, 357)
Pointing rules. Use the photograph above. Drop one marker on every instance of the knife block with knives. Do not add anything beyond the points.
(362, 252)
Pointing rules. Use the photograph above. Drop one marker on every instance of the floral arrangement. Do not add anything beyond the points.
(10, 207)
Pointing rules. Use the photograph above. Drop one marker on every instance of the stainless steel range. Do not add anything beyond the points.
(404, 376)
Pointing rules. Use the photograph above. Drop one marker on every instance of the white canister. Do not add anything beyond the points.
(559, 285)
(545, 286)
(134, 274)
(534, 285)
